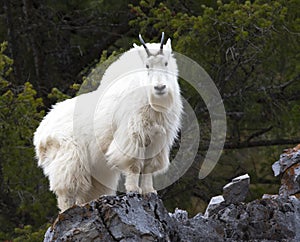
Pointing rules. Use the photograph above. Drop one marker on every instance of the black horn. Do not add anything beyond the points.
(162, 42)
(144, 44)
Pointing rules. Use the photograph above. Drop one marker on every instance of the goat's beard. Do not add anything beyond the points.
(161, 103)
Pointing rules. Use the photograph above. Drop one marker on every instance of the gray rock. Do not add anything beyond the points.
(270, 196)
(130, 217)
(215, 204)
(198, 229)
(79, 224)
(286, 160)
(290, 181)
(136, 218)
(289, 167)
(237, 190)
(276, 168)
(234, 192)
(179, 215)
(261, 220)
(133, 217)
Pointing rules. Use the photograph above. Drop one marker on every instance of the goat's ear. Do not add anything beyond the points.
(168, 45)
(135, 45)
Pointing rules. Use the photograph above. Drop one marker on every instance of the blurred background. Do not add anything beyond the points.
(50, 48)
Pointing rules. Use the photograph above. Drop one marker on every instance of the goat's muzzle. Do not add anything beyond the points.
(160, 89)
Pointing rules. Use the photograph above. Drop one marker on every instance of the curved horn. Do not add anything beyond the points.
(162, 42)
(144, 44)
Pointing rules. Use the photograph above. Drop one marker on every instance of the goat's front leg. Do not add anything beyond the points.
(132, 178)
(159, 164)
(147, 177)
(147, 183)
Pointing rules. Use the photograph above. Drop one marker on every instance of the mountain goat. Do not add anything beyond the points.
(127, 125)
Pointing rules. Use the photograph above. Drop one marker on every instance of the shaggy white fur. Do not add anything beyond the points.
(127, 125)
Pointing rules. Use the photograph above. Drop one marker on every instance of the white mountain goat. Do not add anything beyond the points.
(127, 125)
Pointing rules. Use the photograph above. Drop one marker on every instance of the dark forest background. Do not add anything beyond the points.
(49, 48)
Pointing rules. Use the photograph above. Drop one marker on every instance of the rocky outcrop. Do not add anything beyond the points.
(233, 193)
(128, 217)
(288, 166)
(133, 217)
(268, 219)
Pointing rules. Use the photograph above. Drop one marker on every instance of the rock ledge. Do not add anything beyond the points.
(133, 217)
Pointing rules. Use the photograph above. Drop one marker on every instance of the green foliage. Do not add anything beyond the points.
(92, 81)
(251, 51)
(24, 190)
(5, 63)
(28, 234)
(53, 41)
(242, 45)
(57, 95)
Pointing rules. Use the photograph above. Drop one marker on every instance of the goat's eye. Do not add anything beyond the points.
(166, 63)
(147, 66)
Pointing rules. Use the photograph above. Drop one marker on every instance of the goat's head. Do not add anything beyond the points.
(161, 73)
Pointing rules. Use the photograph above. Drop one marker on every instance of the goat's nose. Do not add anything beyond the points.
(160, 87)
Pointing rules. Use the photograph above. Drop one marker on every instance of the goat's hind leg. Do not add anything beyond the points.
(69, 177)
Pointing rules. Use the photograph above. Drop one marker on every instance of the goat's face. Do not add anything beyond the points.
(161, 75)
(160, 82)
